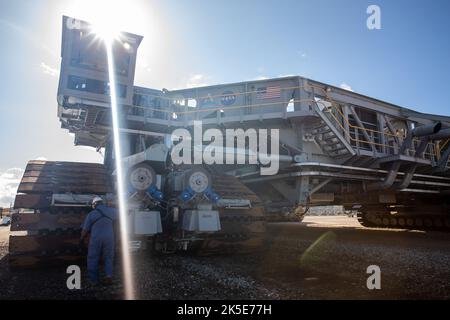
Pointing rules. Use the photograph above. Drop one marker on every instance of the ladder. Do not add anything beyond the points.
(330, 138)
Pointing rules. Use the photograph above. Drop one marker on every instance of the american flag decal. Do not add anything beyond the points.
(268, 92)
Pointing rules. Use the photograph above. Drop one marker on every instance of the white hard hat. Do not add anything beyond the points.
(96, 199)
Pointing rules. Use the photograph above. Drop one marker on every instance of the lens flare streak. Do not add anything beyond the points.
(126, 257)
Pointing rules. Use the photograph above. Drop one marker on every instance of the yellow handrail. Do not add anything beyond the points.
(334, 105)
(367, 129)
(364, 141)
(439, 148)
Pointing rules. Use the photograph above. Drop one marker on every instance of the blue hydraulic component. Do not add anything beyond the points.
(187, 194)
(152, 191)
(214, 197)
(155, 193)
(130, 190)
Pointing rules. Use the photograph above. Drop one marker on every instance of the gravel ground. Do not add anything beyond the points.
(321, 258)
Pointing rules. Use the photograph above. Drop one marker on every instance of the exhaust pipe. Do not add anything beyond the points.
(427, 130)
(443, 134)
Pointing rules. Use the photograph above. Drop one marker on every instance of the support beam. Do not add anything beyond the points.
(364, 131)
(409, 174)
(319, 186)
(391, 129)
(442, 164)
(283, 188)
(302, 190)
(388, 180)
(380, 126)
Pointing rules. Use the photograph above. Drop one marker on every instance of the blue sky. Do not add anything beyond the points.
(207, 42)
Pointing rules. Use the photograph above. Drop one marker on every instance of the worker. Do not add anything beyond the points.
(99, 223)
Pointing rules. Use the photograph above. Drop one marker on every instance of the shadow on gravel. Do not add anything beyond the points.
(48, 281)
(330, 262)
(297, 262)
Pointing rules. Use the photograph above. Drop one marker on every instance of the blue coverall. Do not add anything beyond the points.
(101, 241)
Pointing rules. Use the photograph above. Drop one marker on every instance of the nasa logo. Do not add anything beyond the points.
(228, 98)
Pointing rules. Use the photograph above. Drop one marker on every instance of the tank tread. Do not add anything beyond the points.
(243, 230)
(44, 233)
(379, 217)
(47, 221)
(295, 214)
(47, 177)
(26, 251)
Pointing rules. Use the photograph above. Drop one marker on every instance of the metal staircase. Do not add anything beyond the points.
(330, 138)
(91, 117)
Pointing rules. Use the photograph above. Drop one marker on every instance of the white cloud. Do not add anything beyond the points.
(9, 181)
(346, 87)
(46, 69)
(197, 80)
